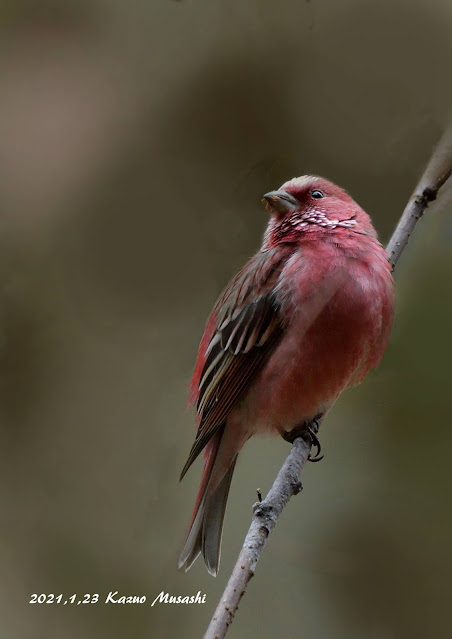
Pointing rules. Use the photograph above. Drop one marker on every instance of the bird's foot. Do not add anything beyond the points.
(300, 431)
(315, 442)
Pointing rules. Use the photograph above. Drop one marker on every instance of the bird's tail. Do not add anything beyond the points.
(204, 534)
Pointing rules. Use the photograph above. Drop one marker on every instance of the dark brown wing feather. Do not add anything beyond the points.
(248, 326)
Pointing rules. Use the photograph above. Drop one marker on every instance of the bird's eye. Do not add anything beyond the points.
(317, 194)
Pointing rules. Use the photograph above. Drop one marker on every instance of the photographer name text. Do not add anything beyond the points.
(115, 597)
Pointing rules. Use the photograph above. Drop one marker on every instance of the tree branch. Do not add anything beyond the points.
(287, 483)
(438, 171)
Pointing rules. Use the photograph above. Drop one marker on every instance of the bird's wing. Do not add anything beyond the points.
(241, 332)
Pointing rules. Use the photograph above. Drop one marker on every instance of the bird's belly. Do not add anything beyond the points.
(310, 367)
(296, 385)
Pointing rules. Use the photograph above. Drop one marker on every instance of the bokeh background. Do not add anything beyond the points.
(136, 140)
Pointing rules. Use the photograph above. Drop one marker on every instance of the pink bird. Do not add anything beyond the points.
(308, 316)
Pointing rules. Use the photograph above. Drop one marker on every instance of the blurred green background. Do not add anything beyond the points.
(136, 140)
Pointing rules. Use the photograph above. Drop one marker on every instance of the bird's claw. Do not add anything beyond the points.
(315, 442)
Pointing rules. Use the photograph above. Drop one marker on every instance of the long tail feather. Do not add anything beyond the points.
(212, 530)
(204, 535)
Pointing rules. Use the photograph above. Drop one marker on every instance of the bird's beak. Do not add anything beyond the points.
(279, 202)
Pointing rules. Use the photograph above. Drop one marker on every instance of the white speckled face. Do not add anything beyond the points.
(313, 215)
(318, 217)
(309, 221)
(312, 204)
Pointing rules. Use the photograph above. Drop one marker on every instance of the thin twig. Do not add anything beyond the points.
(287, 484)
(435, 175)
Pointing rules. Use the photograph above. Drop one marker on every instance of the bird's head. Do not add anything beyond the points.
(313, 205)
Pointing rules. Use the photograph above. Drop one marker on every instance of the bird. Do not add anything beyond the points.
(309, 315)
